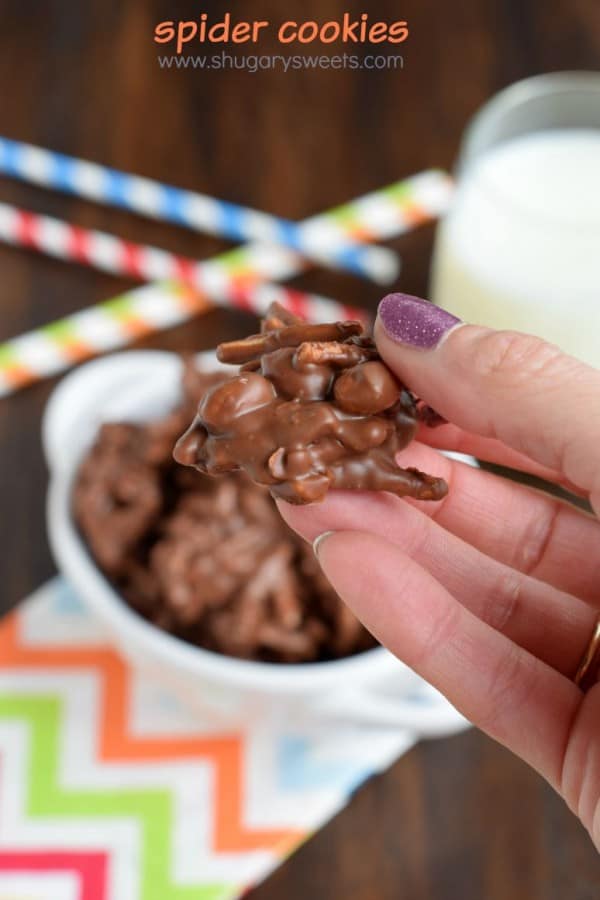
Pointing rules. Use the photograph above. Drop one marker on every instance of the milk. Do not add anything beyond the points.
(521, 246)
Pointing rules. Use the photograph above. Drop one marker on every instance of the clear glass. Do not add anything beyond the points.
(520, 247)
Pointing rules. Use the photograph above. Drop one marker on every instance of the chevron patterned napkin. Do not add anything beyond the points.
(109, 790)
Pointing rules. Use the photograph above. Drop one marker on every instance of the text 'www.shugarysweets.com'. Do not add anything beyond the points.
(348, 30)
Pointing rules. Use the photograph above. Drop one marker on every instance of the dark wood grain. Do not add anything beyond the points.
(457, 819)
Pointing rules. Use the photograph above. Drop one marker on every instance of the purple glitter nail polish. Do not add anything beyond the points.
(410, 320)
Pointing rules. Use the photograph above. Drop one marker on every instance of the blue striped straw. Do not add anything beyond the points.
(329, 245)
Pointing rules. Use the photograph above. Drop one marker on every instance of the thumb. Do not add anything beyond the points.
(499, 384)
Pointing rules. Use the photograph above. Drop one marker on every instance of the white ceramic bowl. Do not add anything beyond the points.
(370, 687)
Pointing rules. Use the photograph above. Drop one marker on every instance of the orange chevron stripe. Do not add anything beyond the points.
(115, 744)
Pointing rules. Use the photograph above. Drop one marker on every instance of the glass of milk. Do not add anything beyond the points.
(520, 247)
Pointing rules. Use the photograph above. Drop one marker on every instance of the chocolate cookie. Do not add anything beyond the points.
(313, 407)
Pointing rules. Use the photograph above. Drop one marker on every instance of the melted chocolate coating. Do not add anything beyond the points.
(313, 407)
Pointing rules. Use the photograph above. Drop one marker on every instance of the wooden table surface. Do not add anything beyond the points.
(457, 819)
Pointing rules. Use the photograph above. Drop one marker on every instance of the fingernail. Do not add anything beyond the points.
(418, 323)
(318, 542)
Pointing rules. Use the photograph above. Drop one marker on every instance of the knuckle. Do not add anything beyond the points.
(537, 538)
(508, 694)
(505, 600)
(442, 632)
(513, 358)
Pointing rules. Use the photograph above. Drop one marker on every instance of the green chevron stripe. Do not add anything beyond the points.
(152, 809)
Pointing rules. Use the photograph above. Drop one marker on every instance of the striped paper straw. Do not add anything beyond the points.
(330, 246)
(140, 312)
(384, 213)
(104, 251)
(380, 215)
